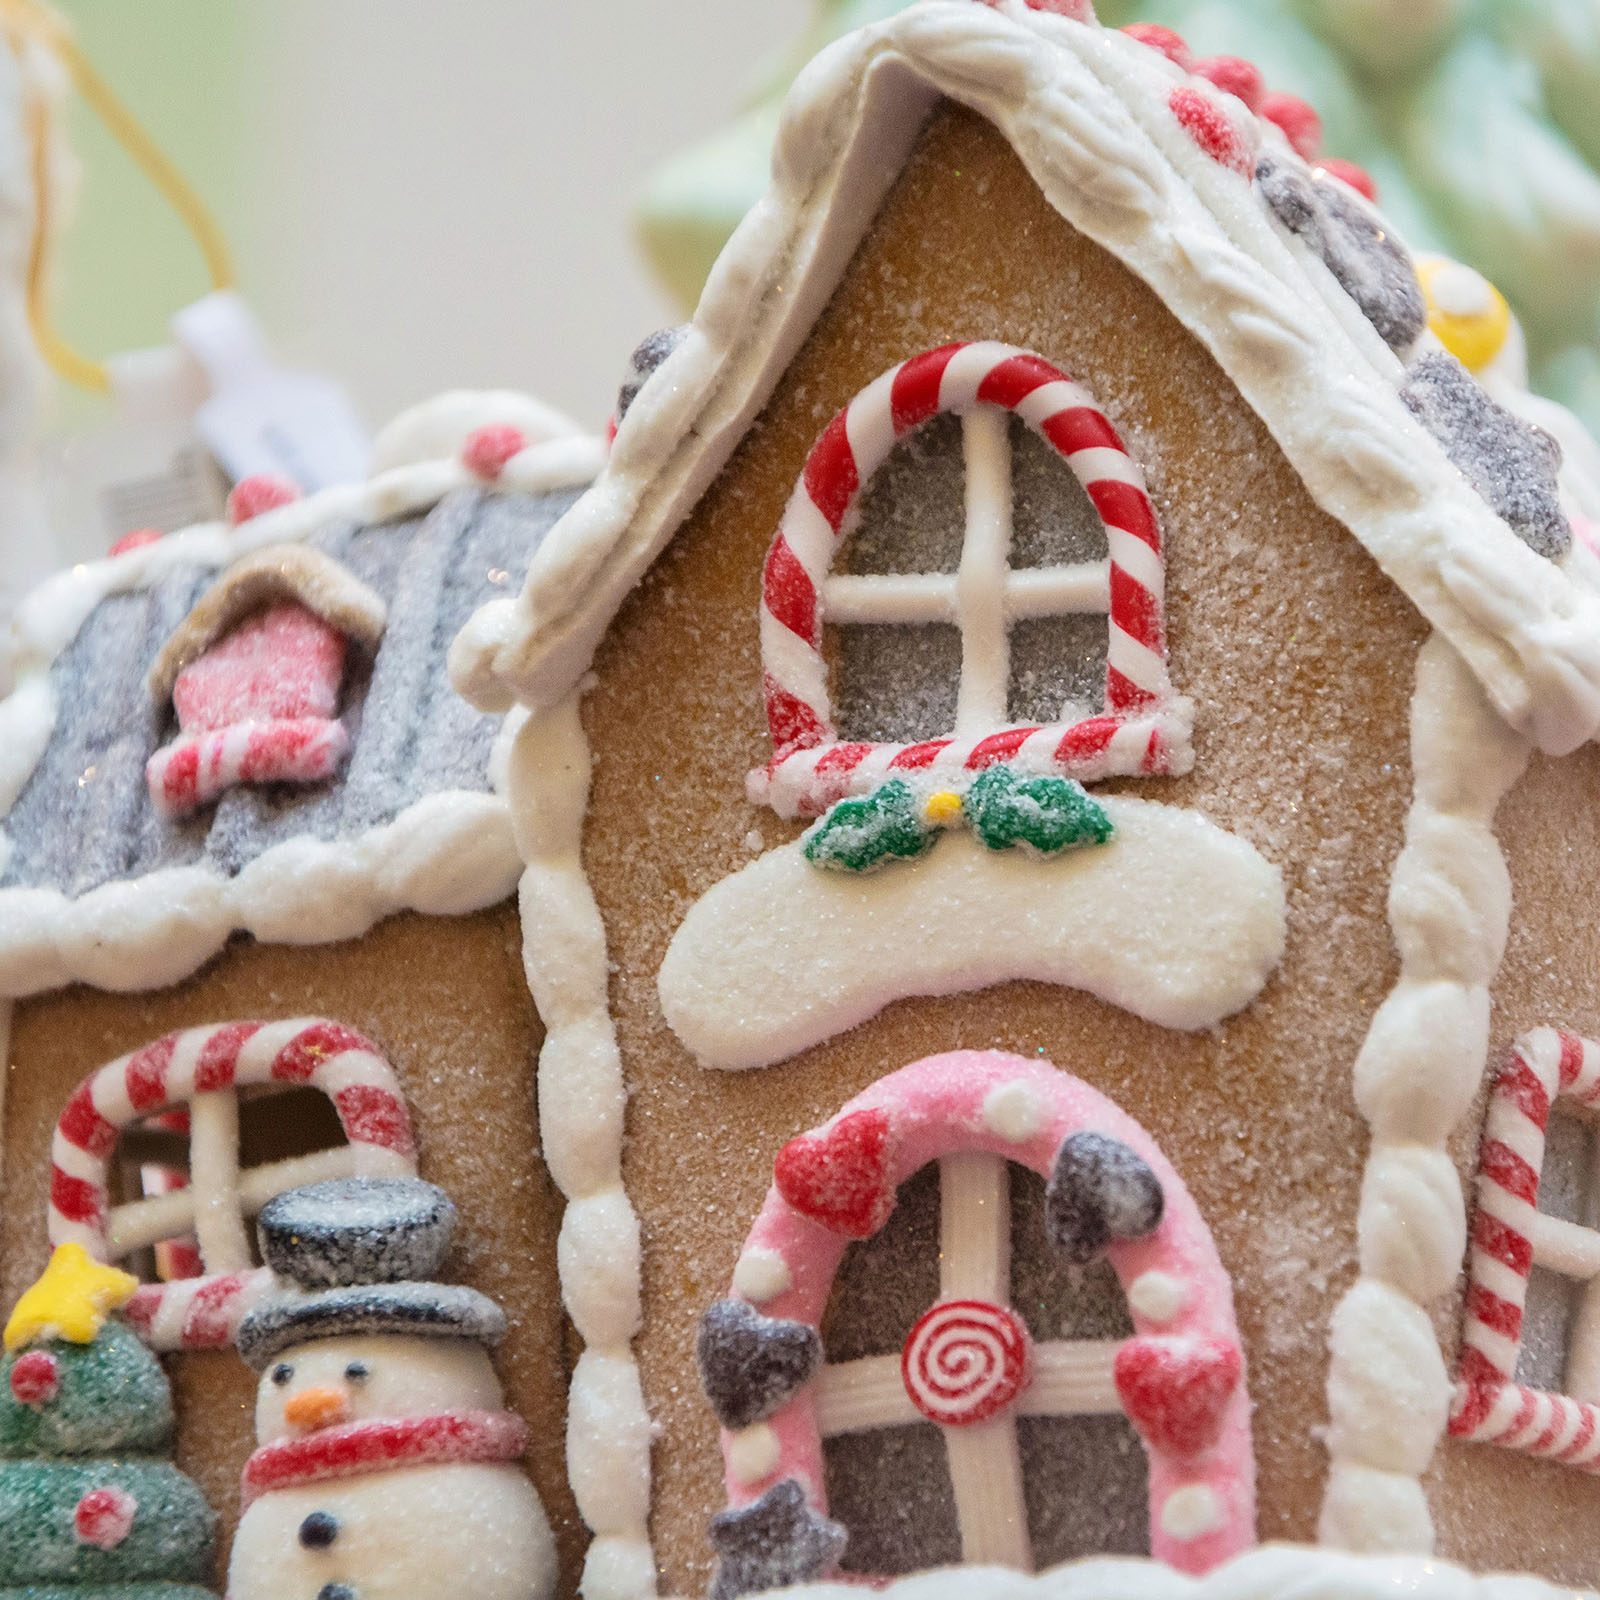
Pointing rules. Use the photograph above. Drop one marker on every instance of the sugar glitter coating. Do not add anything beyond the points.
(1512, 464)
(752, 1365)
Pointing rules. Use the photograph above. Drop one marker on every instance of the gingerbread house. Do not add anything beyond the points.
(256, 920)
(1057, 773)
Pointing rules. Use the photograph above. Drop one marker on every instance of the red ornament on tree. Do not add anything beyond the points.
(104, 1518)
(135, 540)
(35, 1378)
(1235, 75)
(1170, 43)
(1301, 125)
(1348, 172)
(263, 491)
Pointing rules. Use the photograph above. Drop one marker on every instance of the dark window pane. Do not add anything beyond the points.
(1086, 1484)
(1547, 1329)
(886, 1282)
(1054, 522)
(1058, 668)
(895, 683)
(911, 516)
(1058, 1301)
(1566, 1180)
(891, 1490)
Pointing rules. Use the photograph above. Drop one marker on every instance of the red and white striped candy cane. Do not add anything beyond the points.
(1509, 1237)
(1141, 730)
(202, 1067)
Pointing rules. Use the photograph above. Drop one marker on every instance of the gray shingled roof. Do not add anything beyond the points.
(84, 818)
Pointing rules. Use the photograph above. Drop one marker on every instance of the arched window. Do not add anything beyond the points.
(980, 1362)
(1529, 1371)
(201, 1072)
(974, 611)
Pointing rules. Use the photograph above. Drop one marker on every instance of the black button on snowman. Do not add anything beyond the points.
(388, 1467)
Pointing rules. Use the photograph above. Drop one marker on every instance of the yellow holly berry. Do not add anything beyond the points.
(70, 1301)
(943, 806)
(1467, 314)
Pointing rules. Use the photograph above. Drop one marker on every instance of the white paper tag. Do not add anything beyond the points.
(260, 417)
(144, 468)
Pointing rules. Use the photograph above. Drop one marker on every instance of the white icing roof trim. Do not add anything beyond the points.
(1085, 109)
(447, 854)
(1275, 1572)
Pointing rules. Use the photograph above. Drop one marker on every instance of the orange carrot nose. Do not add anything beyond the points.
(317, 1408)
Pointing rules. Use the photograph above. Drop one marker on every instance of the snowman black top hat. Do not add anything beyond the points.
(359, 1251)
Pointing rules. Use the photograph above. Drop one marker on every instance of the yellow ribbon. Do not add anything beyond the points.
(30, 22)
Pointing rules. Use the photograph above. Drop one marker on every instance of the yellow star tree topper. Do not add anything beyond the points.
(70, 1301)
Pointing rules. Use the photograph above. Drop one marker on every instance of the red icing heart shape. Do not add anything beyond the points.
(840, 1177)
(1175, 1391)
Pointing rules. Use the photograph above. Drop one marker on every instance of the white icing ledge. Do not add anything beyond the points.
(444, 856)
(581, 1103)
(1275, 1572)
(1085, 109)
(1416, 1079)
(1175, 920)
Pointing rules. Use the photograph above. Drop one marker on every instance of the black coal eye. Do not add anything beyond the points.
(358, 1372)
(282, 1373)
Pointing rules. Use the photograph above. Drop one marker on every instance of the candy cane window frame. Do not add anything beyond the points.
(202, 1070)
(972, 1113)
(1144, 728)
(1546, 1070)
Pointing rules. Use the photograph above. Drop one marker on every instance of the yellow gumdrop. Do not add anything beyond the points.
(71, 1300)
(943, 806)
(1467, 314)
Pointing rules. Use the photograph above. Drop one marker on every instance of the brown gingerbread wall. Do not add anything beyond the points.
(446, 1000)
(1300, 658)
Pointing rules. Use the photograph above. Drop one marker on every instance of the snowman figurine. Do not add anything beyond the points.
(388, 1467)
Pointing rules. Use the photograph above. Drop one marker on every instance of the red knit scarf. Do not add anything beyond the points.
(447, 1437)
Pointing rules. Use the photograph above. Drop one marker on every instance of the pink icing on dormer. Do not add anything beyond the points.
(255, 674)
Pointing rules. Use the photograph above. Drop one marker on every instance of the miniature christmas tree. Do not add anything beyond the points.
(89, 1509)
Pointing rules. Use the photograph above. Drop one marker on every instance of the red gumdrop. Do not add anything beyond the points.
(1348, 172)
(262, 491)
(1236, 75)
(135, 540)
(1176, 1391)
(490, 447)
(1301, 125)
(1212, 129)
(1168, 41)
(104, 1517)
(840, 1178)
(35, 1378)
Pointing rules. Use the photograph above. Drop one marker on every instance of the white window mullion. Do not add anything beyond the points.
(974, 1229)
(1073, 1378)
(1058, 591)
(986, 1474)
(214, 1181)
(981, 580)
(853, 1396)
(890, 597)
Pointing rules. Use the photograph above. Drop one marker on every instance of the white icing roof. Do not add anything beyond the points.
(1085, 108)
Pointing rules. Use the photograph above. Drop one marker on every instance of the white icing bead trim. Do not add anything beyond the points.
(761, 1275)
(448, 854)
(581, 1101)
(1191, 1511)
(753, 1454)
(1416, 1078)
(1013, 1111)
(1158, 1296)
(1086, 110)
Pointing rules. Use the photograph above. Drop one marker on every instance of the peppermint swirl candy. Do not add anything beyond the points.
(965, 1361)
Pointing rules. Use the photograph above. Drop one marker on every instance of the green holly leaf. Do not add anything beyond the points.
(859, 835)
(1045, 815)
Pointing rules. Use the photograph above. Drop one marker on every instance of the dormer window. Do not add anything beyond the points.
(254, 673)
(1038, 621)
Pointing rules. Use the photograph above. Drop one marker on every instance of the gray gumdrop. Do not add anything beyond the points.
(1512, 464)
(752, 1365)
(1372, 266)
(773, 1542)
(647, 356)
(357, 1231)
(1099, 1190)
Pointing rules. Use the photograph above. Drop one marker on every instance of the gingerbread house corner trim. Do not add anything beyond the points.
(1086, 109)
